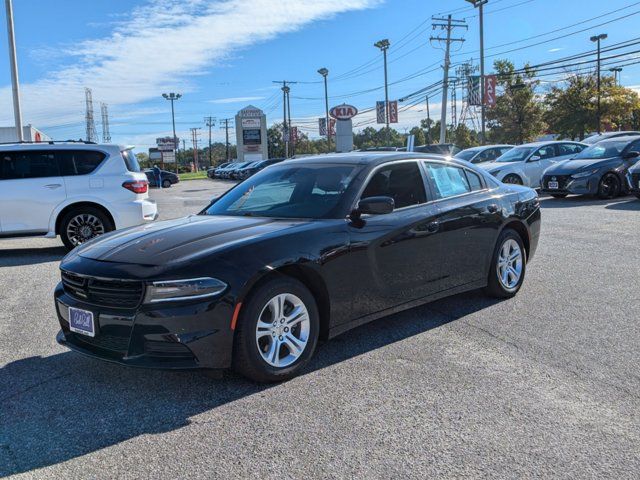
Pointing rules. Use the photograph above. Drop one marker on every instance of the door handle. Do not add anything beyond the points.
(433, 227)
(493, 208)
(51, 186)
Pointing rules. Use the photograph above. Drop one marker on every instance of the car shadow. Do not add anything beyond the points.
(573, 201)
(632, 204)
(63, 406)
(17, 257)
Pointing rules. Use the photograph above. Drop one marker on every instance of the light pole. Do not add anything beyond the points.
(15, 81)
(479, 4)
(616, 71)
(597, 39)
(384, 46)
(172, 97)
(324, 72)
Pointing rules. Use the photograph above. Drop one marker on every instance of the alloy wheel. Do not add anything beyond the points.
(84, 227)
(609, 186)
(509, 268)
(282, 331)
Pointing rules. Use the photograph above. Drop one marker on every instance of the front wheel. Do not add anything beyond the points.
(277, 331)
(513, 179)
(609, 186)
(508, 266)
(82, 224)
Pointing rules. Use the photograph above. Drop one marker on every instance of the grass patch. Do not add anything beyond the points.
(193, 175)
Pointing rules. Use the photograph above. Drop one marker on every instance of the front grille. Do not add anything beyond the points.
(106, 342)
(103, 292)
(562, 180)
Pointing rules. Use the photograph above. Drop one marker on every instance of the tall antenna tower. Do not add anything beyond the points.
(92, 135)
(106, 134)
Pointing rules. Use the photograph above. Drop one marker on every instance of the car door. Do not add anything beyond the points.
(538, 162)
(31, 187)
(395, 254)
(77, 167)
(469, 221)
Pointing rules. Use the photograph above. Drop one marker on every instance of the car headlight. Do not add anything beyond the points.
(584, 174)
(188, 289)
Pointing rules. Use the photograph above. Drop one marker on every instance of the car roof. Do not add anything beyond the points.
(369, 158)
(547, 142)
(62, 146)
(621, 138)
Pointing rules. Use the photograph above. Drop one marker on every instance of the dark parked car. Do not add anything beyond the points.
(633, 179)
(487, 153)
(229, 170)
(593, 139)
(167, 178)
(303, 250)
(255, 167)
(211, 171)
(600, 170)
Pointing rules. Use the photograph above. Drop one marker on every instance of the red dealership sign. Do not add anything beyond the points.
(343, 112)
(490, 83)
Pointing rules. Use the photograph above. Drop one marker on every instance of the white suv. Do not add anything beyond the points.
(75, 190)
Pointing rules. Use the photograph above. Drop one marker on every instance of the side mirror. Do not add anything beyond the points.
(631, 154)
(376, 205)
(534, 158)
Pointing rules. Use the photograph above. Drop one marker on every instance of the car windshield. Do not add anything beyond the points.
(603, 149)
(467, 154)
(291, 191)
(517, 154)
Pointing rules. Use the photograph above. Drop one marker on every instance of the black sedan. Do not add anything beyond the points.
(303, 250)
(255, 167)
(599, 170)
(166, 178)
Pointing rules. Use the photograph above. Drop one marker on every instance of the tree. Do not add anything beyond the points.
(275, 141)
(463, 136)
(620, 106)
(420, 137)
(571, 111)
(517, 116)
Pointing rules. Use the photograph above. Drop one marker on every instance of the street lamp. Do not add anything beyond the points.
(172, 97)
(324, 72)
(479, 5)
(597, 39)
(616, 71)
(384, 46)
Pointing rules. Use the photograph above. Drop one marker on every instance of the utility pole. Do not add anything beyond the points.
(479, 4)
(428, 123)
(210, 122)
(194, 140)
(597, 39)
(91, 133)
(286, 113)
(106, 135)
(15, 80)
(172, 97)
(384, 45)
(226, 133)
(324, 72)
(454, 101)
(449, 26)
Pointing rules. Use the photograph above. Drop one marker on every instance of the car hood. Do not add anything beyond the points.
(572, 166)
(180, 240)
(495, 166)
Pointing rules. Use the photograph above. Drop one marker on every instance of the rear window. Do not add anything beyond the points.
(130, 161)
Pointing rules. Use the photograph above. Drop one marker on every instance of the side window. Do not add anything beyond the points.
(474, 180)
(79, 162)
(27, 164)
(568, 149)
(448, 181)
(505, 150)
(546, 152)
(402, 182)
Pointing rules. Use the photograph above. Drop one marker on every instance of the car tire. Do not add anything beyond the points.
(81, 224)
(609, 186)
(559, 195)
(502, 282)
(263, 341)
(512, 178)
(166, 184)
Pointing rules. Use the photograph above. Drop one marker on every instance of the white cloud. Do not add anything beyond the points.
(557, 49)
(235, 100)
(161, 46)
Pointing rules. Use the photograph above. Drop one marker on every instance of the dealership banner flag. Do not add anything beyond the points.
(393, 111)
(490, 82)
(474, 90)
(322, 122)
(380, 113)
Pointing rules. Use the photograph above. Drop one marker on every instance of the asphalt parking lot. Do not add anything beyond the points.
(543, 385)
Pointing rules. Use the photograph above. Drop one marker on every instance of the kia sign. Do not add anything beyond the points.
(343, 112)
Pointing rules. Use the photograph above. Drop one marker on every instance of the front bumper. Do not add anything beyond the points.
(176, 336)
(633, 182)
(567, 185)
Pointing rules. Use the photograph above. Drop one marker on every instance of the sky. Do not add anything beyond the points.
(223, 55)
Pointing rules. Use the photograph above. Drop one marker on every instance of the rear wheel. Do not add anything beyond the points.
(513, 179)
(166, 183)
(559, 195)
(82, 224)
(609, 186)
(508, 266)
(277, 331)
